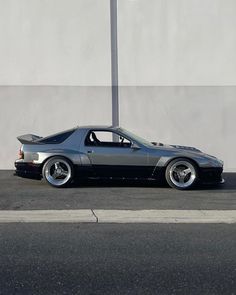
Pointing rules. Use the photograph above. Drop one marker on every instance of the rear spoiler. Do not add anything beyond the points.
(29, 139)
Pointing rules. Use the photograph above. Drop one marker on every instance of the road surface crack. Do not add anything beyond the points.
(95, 215)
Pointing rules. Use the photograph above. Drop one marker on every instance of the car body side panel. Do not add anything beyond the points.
(116, 156)
(70, 149)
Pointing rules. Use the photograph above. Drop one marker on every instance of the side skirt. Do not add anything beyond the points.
(109, 172)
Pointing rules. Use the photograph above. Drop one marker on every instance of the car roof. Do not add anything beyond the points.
(98, 127)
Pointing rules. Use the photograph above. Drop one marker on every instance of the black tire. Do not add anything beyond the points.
(181, 174)
(58, 172)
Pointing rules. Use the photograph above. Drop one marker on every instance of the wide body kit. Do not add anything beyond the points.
(108, 152)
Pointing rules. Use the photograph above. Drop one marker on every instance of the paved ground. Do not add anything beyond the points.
(80, 258)
(107, 259)
(21, 194)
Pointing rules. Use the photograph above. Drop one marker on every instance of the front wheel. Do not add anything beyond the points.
(58, 171)
(181, 174)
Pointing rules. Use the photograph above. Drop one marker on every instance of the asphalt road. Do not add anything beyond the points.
(25, 194)
(72, 259)
(80, 258)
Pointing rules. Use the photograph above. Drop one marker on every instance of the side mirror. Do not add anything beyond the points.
(134, 146)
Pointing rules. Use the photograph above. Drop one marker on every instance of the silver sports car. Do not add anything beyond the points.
(113, 152)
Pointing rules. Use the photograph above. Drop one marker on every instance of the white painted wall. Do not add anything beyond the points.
(161, 42)
(203, 117)
(179, 56)
(54, 42)
(183, 42)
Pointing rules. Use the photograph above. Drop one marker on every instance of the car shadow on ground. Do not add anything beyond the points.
(115, 183)
(230, 183)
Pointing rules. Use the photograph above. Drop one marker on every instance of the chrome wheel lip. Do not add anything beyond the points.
(182, 177)
(222, 181)
(59, 171)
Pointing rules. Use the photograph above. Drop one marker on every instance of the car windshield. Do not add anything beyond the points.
(136, 137)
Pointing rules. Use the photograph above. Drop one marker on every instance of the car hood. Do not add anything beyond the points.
(186, 148)
(177, 147)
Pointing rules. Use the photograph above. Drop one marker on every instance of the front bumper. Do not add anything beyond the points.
(211, 175)
(30, 170)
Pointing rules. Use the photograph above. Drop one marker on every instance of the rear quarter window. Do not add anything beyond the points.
(58, 138)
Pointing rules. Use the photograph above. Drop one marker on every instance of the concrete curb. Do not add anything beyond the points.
(73, 216)
(118, 216)
(166, 216)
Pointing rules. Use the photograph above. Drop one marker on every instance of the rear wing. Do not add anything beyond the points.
(29, 139)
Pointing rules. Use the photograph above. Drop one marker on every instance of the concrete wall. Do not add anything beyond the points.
(44, 110)
(203, 117)
(184, 42)
(177, 70)
(54, 42)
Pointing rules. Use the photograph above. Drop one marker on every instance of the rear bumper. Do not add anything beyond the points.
(211, 175)
(30, 170)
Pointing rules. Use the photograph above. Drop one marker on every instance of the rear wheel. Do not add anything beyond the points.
(58, 171)
(181, 174)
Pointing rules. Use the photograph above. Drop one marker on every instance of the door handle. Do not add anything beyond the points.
(90, 152)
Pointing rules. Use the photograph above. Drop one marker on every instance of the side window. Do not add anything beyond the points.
(58, 138)
(105, 139)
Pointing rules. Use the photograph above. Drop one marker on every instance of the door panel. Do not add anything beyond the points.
(118, 162)
(111, 155)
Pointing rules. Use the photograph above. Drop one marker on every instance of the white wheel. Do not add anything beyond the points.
(58, 172)
(181, 174)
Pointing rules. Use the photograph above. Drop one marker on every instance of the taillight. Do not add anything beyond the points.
(21, 154)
